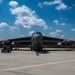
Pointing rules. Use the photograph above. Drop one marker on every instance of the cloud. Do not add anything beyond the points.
(59, 4)
(58, 30)
(55, 34)
(1, 1)
(63, 24)
(40, 5)
(3, 25)
(62, 36)
(56, 22)
(12, 28)
(62, 6)
(53, 2)
(26, 18)
(59, 23)
(31, 32)
(45, 27)
(72, 29)
(13, 3)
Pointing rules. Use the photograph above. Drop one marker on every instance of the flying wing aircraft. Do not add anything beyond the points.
(37, 42)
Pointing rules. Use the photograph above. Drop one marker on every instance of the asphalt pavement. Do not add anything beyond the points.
(28, 63)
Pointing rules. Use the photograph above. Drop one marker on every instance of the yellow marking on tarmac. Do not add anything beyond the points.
(37, 65)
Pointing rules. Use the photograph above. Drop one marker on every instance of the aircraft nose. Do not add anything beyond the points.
(36, 36)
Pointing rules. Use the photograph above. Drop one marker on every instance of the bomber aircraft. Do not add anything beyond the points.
(37, 42)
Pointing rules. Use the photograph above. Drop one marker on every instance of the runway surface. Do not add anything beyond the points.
(28, 63)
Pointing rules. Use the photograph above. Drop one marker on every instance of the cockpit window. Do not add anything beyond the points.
(36, 33)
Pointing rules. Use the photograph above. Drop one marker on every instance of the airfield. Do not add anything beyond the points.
(54, 61)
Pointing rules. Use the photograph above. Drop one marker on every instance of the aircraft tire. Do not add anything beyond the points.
(1, 51)
(31, 48)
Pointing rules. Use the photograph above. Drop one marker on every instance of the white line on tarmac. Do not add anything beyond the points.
(37, 65)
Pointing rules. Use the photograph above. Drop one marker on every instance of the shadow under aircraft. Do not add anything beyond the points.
(36, 42)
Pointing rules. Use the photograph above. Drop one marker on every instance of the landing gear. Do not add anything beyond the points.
(2, 51)
(37, 50)
(37, 53)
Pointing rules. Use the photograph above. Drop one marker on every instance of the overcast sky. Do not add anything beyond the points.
(54, 18)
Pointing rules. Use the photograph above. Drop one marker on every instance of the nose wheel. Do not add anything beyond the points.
(37, 53)
(37, 50)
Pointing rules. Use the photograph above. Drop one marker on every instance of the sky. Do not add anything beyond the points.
(53, 18)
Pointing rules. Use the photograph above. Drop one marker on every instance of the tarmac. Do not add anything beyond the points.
(49, 62)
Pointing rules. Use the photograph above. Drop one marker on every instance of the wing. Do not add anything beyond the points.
(26, 42)
(21, 42)
(50, 42)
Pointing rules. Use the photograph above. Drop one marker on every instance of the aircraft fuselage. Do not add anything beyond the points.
(36, 41)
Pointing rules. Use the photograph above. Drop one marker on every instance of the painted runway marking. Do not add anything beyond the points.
(37, 65)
